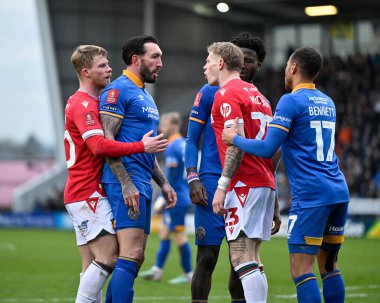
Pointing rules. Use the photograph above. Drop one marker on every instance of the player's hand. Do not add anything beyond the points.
(229, 133)
(218, 202)
(155, 144)
(198, 193)
(276, 218)
(131, 196)
(169, 194)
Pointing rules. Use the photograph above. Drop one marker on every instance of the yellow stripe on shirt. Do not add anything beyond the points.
(111, 114)
(197, 120)
(279, 126)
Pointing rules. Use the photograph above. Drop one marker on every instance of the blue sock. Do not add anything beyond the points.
(163, 253)
(120, 288)
(307, 289)
(185, 253)
(333, 287)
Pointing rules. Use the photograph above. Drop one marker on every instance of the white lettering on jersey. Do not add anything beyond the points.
(321, 111)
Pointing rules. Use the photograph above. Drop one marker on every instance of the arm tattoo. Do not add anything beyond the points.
(234, 156)
(158, 175)
(111, 126)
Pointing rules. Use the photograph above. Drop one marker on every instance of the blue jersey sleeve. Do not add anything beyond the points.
(112, 103)
(284, 114)
(172, 161)
(194, 133)
(200, 114)
(262, 148)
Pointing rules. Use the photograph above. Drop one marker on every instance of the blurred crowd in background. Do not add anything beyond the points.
(354, 85)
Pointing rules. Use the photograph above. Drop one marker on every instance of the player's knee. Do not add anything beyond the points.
(207, 258)
(137, 254)
(329, 260)
(180, 237)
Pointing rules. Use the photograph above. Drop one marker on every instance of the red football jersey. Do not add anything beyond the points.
(85, 169)
(241, 99)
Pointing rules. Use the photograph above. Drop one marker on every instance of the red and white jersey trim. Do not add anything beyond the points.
(93, 132)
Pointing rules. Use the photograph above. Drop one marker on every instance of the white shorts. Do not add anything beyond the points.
(249, 210)
(90, 217)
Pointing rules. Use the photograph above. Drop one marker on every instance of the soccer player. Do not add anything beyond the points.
(209, 226)
(304, 127)
(85, 145)
(127, 111)
(174, 218)
(246, 190)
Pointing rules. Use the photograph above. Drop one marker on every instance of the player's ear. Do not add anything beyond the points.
(136, 59)
(294, 68)
(221, 63)
(85, 73)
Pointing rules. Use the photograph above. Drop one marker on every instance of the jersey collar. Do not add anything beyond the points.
(304, 85)
(174, 137)
(136, 80)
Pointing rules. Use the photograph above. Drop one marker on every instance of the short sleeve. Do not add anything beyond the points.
(112, 102)
(285, 113)
(86, 119)
(202, 104)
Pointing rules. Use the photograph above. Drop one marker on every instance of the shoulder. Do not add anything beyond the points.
(207, 92)
(208, 89)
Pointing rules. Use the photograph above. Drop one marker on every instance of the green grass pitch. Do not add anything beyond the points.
(44, 265)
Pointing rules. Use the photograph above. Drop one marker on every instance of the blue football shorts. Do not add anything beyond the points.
(209, 227)
(174, 218)
(123, 215)
(317, 227)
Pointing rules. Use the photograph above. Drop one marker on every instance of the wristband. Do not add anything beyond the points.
(192, 176)
(223, 182)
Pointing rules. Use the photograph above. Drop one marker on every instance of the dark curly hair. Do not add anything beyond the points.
(245, 39)
(309, 60)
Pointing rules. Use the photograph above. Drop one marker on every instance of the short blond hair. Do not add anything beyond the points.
(83, 56)
(230, 53)
(174, 118)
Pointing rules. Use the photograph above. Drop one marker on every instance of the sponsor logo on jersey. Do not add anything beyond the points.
(107, 107)
(89, 119)
(225, 110)
(151, 111)
(197, 100)
(92, 203)
(141, 97)
(200, 233)
(336, 228)
(85, 104)
(112, 96)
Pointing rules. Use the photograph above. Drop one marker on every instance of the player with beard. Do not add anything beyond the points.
(127, 112)
(85, 147)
